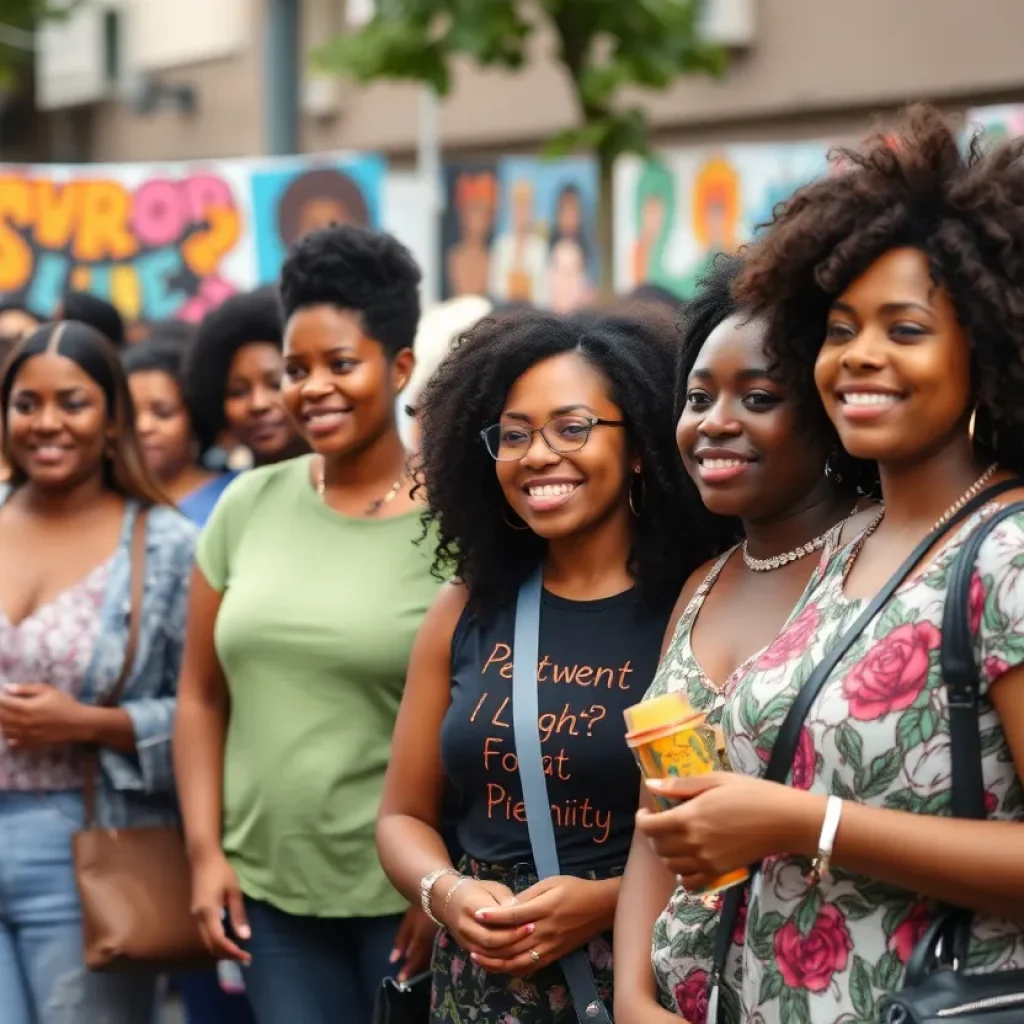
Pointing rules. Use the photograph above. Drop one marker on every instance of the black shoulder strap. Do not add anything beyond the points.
(960, 673)
(961, 677)
(784, 750)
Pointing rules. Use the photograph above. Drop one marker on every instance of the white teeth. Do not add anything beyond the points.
(722, 463)
(552, 490)
(869, 398)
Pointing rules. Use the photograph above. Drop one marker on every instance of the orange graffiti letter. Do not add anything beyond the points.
(56, 210)
(103, 225)
(15, 254)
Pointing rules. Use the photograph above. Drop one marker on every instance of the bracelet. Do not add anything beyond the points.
(451, 892)
(427, 887)
(829, 828)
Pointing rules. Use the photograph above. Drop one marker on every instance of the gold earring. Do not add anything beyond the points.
(971, 424)
(643, 495)
(511, 526)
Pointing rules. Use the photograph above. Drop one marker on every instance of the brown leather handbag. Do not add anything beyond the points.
(135, 883)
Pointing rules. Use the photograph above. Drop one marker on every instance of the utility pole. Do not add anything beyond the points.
(282, 77)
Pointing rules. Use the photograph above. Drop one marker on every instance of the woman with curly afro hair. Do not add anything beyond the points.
(746, 442)
(547, 444)
(898, 284)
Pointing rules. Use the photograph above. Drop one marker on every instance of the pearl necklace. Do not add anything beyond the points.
(778, 561)
(376, 505)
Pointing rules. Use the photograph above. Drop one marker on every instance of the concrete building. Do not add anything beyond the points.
(804, 68)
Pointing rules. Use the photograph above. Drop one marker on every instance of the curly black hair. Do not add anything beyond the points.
(241, 320)
(368, 272)
(915, 187)
(90, 309)
(466, 505)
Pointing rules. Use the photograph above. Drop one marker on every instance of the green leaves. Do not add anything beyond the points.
(605, 46)
(860, 987)
(808, 910)
(879, 775)
(916, 726)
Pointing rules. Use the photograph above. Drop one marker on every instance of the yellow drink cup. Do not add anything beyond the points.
(670, 739)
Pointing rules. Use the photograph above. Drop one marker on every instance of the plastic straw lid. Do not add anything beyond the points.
(658, 712)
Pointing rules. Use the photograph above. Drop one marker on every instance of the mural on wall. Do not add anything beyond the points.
(467, 228)
(165, 241)
(1000, 122)
(673, 215)
(522, 229)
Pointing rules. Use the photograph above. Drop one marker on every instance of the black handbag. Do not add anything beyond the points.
(406, 1002)
(936, 988)
(781, 760)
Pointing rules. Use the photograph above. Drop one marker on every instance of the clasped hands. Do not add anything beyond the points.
(514, 934)
(35, 715)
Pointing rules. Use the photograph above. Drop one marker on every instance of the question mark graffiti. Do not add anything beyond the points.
(594, 717)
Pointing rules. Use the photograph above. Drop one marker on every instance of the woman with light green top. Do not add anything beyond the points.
(308, 590)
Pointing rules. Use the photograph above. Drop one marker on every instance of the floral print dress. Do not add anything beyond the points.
(878, 733)
(683, 944)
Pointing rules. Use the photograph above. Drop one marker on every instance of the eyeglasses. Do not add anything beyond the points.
(509, 442)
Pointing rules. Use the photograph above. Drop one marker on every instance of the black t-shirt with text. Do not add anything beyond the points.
(596, 659)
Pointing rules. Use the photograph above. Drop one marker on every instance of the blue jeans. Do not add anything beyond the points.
(206, 1002)
(42, 976)
(316, 970)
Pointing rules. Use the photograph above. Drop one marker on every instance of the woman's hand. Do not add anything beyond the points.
(464, 918)
(728, 821)
(563, 913)
(35, 715)
(414, 944)
(216, 896)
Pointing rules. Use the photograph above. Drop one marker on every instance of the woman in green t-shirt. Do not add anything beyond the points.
(308, 590)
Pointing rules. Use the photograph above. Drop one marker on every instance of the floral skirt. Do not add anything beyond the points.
(463, 993)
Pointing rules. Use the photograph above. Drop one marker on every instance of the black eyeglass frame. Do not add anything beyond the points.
(591, 421)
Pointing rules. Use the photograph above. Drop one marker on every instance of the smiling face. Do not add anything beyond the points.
(894, 370)
(252, 404)
(738, 434)
(558, 495)
(339, 385)
(162, 423)
(57, 422)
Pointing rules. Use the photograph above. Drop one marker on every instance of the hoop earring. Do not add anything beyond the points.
(643, 495)
(511, 526)
(832, 475)
(972, 423)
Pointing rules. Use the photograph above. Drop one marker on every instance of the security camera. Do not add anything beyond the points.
(144, 94)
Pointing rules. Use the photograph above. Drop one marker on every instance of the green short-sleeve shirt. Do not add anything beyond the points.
(317, 620)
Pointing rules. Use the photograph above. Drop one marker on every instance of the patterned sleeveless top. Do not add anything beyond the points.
(683, 944)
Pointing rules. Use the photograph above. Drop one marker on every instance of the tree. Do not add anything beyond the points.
(18, 21)
(604, 46)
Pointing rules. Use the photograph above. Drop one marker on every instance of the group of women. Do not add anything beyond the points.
(324, 678)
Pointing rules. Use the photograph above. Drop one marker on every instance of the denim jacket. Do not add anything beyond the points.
(137, 790)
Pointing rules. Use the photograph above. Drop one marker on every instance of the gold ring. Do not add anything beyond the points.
(535, 956)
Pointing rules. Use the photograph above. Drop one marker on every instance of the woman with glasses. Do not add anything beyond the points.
(547, 443)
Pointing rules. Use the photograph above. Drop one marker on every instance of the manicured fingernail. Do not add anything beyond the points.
(396, 955)
(244, 932)
(530, 929)
(481, 915)
(474, 958)
(656, 784)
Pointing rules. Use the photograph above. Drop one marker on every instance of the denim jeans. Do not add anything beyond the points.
(42, 976)
(316, 970)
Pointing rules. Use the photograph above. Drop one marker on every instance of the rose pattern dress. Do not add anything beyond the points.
(683, 943)
(878, 733)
